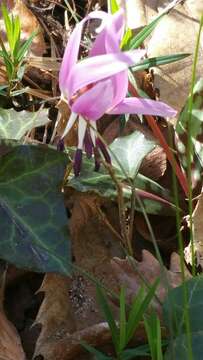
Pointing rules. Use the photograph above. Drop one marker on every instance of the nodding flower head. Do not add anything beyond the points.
(98, 84)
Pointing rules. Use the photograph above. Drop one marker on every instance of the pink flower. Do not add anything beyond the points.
(98, 84)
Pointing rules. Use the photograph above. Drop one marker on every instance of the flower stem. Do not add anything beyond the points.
(121, 209)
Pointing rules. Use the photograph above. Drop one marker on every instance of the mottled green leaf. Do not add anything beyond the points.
(101, 183)
(130, 151)
(174, 310)
(33, 225)
(14, 125)
(175, 299)
(97, 181)
(179, 349)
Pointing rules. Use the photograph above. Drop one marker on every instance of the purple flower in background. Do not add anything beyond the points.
(98, 84)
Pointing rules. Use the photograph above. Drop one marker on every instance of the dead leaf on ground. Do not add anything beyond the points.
(55, 314)
(70, 311)
(10, 343)
(129, 273)
(197, 235)
(93, 246)
(68, 346)
(175, 33)
(154, 164)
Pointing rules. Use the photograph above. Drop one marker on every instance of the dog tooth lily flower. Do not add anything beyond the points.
(98, 84)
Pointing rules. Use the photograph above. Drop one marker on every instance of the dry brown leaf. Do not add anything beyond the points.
(92, 247)
(175, 33)
(154, 164)
(68, 347)
(197, 235)
(129, 273)
(10, 344)
(55, 314)
(94, 244)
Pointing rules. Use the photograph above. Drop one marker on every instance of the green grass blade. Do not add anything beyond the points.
(138, 39)
(158, 336)
(112, 6)
(109, 317)
(144, 33)
(9, 65)
(122, 320)
(149, 327)
(126, 39)
(139, 307)
(24, 48)
(5, 54)
(159, 60)
(8, 25)
(153, 330)
(99, 355)
(139, 351)
(16, 36)
(132, 317)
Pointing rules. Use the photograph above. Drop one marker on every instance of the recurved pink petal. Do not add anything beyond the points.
(94, 102)
(100, 67)
(108, 40)
(72, 49)
(120, 86)
(115, 32)
(143, 106)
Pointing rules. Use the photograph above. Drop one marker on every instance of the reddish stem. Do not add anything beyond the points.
(158, 134)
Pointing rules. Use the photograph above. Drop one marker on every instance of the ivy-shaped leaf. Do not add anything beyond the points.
(155, 198)
(33, 225)
(130, 151)
(14, 125)
(174, 311)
